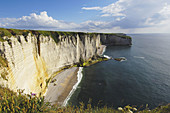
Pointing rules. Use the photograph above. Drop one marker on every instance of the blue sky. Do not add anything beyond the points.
(58, 9)
(128, 16)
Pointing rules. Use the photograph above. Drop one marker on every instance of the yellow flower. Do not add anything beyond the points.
(134, 109)
(17, 107)
(129, 111)
(120, 109)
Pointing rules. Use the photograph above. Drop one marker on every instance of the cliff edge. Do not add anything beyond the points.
(28, 58)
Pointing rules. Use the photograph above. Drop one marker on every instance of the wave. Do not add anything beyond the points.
(107, 57)
(104, 49)
(123, 59)
(139, 57)
(79, 78)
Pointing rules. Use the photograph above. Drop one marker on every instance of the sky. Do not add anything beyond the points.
(113, 16)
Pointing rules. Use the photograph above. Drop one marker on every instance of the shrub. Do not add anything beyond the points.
(18, 102)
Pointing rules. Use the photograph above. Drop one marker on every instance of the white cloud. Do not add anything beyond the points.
(91, 8)
(160, 17)
(93, 26)
(137, 15)
(119, 18)
(45, 22)
(34, 21)
(105, 15)
(114, 9)
(129, 16)
(165, 10)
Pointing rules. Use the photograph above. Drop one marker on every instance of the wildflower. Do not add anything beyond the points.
(120, 109)
(134, 109)
(33, 94)
(129, 111)
(17, 107)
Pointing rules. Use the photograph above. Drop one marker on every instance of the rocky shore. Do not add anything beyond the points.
(61, 85)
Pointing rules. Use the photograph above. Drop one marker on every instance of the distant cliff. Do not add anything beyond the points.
(29, 58)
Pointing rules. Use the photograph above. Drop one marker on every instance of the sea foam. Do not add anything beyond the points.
(139, 57)
(79, 78)
(107, 56)
(124, 59)
(104, 49)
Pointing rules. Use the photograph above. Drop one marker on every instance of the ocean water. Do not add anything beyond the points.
(144, 78)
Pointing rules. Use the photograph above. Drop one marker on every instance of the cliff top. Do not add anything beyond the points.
(53, 34)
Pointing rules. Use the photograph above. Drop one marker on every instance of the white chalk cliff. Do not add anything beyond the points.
(32, 60)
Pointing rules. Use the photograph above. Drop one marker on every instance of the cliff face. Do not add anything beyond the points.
(115, 40)
(27, 62)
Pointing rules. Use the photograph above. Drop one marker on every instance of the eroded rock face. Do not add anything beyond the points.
(120, 40)
(32, 60)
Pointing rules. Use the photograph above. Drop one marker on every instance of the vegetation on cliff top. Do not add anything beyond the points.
(53, 34)
(91, 61)
(18, 102)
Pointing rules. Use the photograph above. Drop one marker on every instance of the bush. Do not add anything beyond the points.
(4, 32)
(18, 102)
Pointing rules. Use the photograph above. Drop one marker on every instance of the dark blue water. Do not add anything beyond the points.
(143, 79)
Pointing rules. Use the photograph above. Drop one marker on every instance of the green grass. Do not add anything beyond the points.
(53, 34)
(4, 32)
(15, 102)
(18, 102)
(93, 61)
(18, 32)
(126, 37)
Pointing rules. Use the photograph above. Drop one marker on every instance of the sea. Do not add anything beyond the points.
(141, 80)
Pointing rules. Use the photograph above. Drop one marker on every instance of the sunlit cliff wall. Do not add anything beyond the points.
(27, 62)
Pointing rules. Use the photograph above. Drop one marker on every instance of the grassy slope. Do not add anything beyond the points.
(53, 34)
(19, 102)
